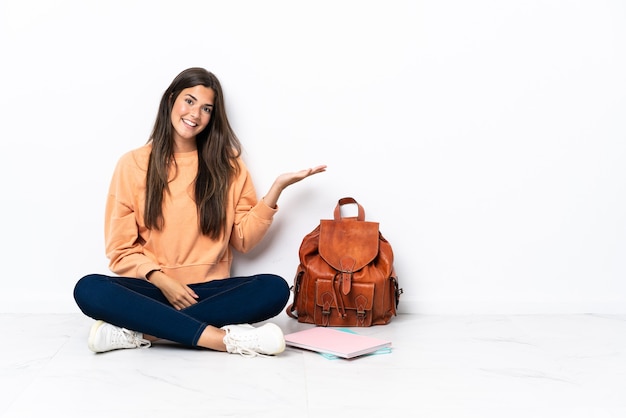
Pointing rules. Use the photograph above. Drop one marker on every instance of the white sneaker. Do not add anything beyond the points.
(106, 337)
(248, 341)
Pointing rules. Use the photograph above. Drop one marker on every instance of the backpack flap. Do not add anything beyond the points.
(348, 245)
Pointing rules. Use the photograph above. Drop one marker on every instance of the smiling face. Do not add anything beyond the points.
(191, 113)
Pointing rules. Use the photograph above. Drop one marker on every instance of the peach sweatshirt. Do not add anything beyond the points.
(179, 249)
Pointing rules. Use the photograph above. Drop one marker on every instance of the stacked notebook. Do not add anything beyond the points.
(340, 343)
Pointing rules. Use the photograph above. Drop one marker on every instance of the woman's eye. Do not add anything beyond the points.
(188, 101)
(207, 109)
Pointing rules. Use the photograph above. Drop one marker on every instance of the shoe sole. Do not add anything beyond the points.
(92, 335)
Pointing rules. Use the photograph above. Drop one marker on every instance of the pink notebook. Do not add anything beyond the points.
(332, 341)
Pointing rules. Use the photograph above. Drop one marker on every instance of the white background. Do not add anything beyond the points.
(488, 138)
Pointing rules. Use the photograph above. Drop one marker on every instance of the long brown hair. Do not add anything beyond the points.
(218, 149)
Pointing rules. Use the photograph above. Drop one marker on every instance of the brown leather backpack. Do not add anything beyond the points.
(346, 275)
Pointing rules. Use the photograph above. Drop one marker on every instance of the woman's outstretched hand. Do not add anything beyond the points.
(287, 179)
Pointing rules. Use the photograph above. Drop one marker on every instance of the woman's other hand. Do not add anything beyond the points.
(179, 295)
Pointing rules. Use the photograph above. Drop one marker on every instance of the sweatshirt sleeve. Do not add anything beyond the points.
(123, 240)
(252, 218)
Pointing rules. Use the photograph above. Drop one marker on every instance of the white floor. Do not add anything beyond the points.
(441, 366)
